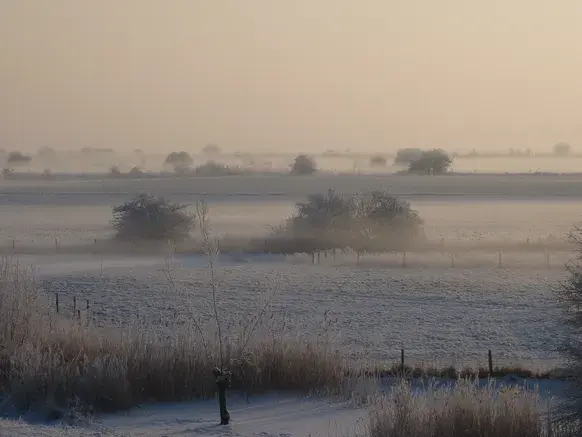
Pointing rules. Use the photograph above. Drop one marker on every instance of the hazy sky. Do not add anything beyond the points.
(290, 75)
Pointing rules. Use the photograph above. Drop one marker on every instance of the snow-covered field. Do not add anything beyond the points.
(436, 313)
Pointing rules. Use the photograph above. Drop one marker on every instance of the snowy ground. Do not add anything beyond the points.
(438, 314)
(263, 416)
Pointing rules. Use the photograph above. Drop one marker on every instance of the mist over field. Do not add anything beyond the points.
(333, 217)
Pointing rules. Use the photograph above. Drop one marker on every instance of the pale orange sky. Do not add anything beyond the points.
(295, 75)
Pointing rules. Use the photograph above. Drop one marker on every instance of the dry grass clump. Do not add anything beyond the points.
(461, 410)
(46, 358)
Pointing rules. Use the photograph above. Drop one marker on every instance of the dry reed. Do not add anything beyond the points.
(45, 357)
(463, 410)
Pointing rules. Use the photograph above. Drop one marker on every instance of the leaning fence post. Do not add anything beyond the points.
(402, 360)
(490, 362)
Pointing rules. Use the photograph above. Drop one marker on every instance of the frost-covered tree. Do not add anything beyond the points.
(406, 156)
(152, 218)
(179, 161)
(434, 162)
(303, 165)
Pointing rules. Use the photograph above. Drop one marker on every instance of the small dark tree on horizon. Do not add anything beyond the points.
(211, 149)
(406, 156)
(18, 158)
(152, 218)
(378, 161)
(433, 162)
(180, 161)
(303, 165)
(562, 149)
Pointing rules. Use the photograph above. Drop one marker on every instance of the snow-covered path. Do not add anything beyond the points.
(265, 417)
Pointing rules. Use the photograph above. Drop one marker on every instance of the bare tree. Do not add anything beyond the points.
(249, 322)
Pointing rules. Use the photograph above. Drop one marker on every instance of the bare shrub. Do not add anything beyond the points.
(152, 218)
(461, 410)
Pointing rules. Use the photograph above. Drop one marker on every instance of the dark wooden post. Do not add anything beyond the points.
(402, 360)
(57, 301)
(74, 305)
(223, 381)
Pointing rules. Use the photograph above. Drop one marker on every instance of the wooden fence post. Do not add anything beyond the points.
(57, 301)
(312, 257)
(490, 356)
(318, 257)
(402, 360)
(87, 304)
(74, 305)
